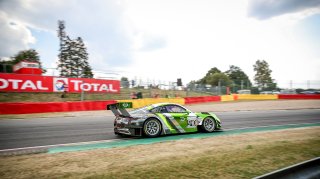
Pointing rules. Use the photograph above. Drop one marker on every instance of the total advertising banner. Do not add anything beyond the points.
(30, 83)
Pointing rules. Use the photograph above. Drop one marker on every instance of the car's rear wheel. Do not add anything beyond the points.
(152, 127)
(208, 124)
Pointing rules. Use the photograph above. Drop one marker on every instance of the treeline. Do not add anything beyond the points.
(6, 66)
(73, 57)
(236, 78)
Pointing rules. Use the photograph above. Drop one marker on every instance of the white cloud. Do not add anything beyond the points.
(265, 9)
(14, 36)
(100, 23)
(37, 14)
(205, 34)
(170, 39)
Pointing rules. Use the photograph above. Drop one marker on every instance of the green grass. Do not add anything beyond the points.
(237, 156)
(124, 94)
(248, 162)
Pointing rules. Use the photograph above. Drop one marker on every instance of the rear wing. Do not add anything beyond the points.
(119, 109)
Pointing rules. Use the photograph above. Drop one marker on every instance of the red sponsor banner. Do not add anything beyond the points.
(25, 83)
(299, 96)
(201, 99)
(29, 83)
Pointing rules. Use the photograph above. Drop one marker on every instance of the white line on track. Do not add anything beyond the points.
(60, 145)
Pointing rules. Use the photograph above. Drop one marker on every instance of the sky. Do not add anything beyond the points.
(162, 40)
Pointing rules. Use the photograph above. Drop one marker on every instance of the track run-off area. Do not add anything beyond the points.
(82, 132)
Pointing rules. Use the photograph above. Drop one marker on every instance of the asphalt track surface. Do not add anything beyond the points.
(17, 133)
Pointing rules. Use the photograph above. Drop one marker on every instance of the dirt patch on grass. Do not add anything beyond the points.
(235, 156)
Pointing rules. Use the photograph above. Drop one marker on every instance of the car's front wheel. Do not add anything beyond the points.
(152, 127)
(208, 124)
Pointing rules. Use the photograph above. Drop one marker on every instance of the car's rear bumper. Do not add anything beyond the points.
(128, 131)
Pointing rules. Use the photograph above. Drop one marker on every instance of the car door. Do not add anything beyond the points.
(182, 119)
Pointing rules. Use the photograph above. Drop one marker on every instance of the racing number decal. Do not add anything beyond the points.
(192, 122)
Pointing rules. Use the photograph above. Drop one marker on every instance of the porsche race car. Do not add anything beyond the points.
(162, 119)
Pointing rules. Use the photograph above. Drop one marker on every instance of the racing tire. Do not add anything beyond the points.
(208, 125)
(152, 128)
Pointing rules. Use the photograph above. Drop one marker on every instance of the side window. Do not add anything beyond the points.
(175, 109)
(160, 109)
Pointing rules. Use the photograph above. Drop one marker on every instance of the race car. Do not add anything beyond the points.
(161, 119)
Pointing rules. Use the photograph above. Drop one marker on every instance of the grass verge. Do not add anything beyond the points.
(124, 94)
(235, 156)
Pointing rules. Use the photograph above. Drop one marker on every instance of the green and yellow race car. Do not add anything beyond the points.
(161, 119)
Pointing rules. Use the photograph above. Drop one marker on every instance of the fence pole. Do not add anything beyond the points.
(219, 84)
(82, 92)
(241, 84)
(82, 95)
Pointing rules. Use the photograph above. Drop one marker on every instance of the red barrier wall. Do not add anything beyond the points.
(235, 97)
(201, 99)
(43, 107)
(299, 96)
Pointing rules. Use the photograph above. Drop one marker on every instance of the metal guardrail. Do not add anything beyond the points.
(305, 170)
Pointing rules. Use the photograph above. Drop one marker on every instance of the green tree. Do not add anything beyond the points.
(218, 79)
(73, 56)
(86, 68)
(209, 73)
(192, 84)
(213, 71)
(6, 66)
(87, 72)
(30, 55)
(78, 58)
(263, 75)
(124, 82)
(239, 78)
(214, 77)
(64, 64)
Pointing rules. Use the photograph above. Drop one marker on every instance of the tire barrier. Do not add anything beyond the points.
(201, 99)
(137, 103)
(235, 97)
(299, 96)
(257, 96)
(228, 97)
(44, 107)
